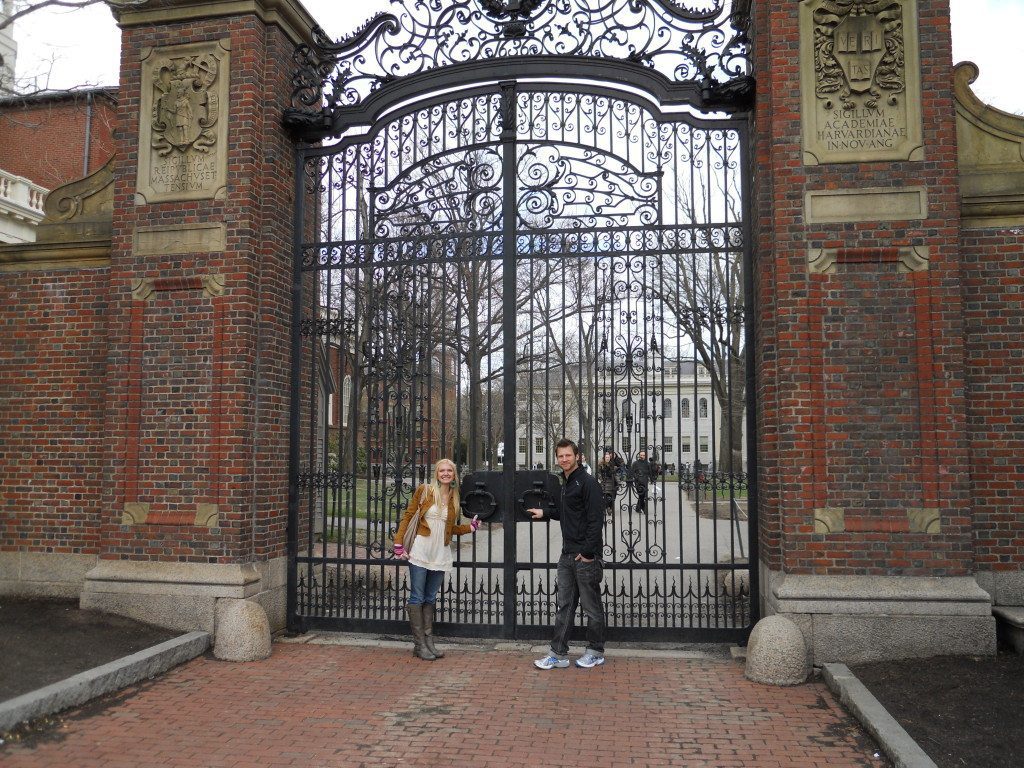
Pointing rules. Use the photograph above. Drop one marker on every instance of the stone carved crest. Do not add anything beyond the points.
(858, 52)
(185, 106)
(183, 122)
(860, 81)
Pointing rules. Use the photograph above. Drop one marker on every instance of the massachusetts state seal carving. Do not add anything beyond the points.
(185, 106)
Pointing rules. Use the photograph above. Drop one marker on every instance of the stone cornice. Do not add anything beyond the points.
(289, 15)
(990, 146)
(87, 254)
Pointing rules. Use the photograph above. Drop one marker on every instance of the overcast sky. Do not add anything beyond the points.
(70, 48)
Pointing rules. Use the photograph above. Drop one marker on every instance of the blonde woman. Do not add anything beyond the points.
(430, 557)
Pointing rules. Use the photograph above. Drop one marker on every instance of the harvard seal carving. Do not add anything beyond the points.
(858, 52)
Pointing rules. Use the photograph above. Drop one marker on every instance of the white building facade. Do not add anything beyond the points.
(673, 415)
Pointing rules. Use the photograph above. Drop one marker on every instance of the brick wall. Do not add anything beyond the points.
(861, 373)
(228, 356)
(52, 364)
(994, 319)
(43, 138)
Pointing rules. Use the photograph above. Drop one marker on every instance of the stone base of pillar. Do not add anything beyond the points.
(858, 619)
(43, 574)
(183, 596)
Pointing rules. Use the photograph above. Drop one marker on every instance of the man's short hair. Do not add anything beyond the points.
(565, 442)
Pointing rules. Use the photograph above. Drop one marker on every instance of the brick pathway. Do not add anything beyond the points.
(358, 707)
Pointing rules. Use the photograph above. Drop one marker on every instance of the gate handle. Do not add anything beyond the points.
(481, 491)
(542, 495)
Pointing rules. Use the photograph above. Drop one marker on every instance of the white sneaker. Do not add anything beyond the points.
(550, 662)
(589, 660)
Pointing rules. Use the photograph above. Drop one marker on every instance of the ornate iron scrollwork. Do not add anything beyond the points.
(707, 47)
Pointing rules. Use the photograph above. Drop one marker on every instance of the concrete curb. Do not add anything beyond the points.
(710, 651)
(896, 742)
(87, 685)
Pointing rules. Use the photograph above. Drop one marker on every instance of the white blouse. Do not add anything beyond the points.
(431, 552)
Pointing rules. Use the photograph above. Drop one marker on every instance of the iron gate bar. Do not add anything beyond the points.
(509, 144)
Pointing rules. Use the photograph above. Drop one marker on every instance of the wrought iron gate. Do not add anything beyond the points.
(490, 258)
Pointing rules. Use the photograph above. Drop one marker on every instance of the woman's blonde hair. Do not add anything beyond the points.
(435, 486)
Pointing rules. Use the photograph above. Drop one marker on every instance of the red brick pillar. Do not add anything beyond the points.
(865, 516)
(195, 498)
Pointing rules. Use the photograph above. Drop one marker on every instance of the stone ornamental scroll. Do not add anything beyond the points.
(183, 122)
(860, 81)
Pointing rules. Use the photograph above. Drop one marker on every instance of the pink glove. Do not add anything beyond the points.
(474, 523)
(399, 550)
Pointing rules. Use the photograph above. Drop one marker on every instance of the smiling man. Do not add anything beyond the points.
(580, 511)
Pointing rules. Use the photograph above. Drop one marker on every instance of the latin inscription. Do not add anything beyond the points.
(856, 130)
(184, 173)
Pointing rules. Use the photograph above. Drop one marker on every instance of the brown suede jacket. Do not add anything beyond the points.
(423, 499)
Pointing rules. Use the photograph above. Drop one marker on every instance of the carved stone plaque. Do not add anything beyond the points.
(860, 81)
(183, 122)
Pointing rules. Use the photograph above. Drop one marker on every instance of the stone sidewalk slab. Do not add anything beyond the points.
(333, 705)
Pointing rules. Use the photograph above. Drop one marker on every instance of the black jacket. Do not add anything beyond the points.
(580, 510)
(643, 471)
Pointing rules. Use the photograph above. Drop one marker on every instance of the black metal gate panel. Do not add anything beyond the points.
(484, 270)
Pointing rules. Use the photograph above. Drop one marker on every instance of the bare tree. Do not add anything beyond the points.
(703, 291)
(12, 11)
(17, 9)
(572, 294)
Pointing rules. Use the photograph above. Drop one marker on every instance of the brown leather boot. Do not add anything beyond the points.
(428, 630)
(419, 647)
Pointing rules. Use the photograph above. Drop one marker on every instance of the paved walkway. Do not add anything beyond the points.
(373, 707)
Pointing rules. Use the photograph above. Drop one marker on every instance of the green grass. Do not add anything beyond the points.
(351, 502)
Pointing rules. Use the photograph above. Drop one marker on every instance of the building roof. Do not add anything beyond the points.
(48, 97)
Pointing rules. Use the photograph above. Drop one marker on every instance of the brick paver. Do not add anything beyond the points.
(320, 705)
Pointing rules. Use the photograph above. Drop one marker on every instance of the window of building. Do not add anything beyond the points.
(538, 445)
(627, 444)
(684, 445)
(703, 444)
(522, 445)
(666, 408)
(666, 444)
(684, 408)
(703, 407)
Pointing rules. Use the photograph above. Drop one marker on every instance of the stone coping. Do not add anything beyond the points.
(1012, 615)
(290, 15)
(922, 595)
(891, 736)
(221, 580)
(114, 676)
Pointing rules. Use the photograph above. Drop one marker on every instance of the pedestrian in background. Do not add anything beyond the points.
(608, 477)
(641, 472)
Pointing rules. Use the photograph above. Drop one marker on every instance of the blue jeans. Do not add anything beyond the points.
(578, 583)
(424, 585)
